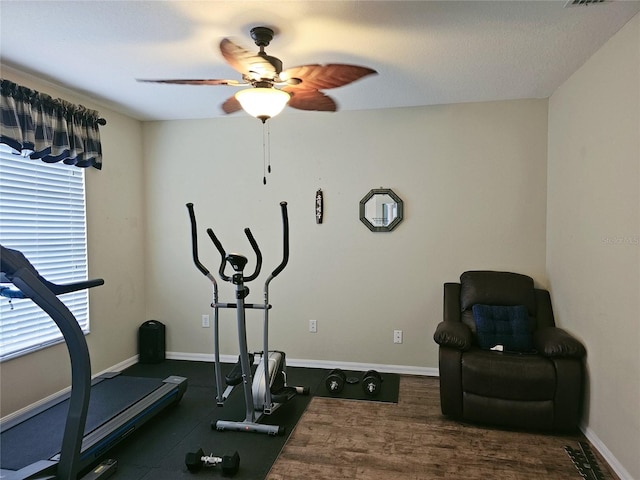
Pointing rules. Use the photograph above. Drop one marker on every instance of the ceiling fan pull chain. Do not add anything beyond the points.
(268, 148)
(264, 155)
(266, 152)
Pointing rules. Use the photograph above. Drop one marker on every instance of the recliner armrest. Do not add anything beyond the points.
(453, 335)
(556, 342)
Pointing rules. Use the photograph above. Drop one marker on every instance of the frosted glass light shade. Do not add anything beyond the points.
(262, 103)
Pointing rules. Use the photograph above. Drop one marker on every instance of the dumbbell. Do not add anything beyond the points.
(335, 381)
(229, 463)
(372, 383)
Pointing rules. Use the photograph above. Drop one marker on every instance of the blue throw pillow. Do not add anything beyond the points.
(501, 325)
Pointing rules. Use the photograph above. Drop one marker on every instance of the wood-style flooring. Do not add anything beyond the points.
(342, 439)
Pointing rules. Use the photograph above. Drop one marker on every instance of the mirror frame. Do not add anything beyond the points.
(394, 223)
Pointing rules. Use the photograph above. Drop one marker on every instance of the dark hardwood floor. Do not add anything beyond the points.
(343, 439)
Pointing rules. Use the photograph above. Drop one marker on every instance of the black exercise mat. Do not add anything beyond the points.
(157, 451)
(388, 393)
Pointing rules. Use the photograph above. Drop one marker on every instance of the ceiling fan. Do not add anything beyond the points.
(271, 87)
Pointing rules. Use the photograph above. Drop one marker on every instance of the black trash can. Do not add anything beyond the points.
(151, 342)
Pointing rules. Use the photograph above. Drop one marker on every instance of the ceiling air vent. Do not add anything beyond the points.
(583, 3)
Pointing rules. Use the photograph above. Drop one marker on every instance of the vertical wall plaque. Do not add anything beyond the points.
(319, 206)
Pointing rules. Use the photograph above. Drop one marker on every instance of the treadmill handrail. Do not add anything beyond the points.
(15, 267)
(11, 261)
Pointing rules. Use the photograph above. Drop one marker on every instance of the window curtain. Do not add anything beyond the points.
(38, 126)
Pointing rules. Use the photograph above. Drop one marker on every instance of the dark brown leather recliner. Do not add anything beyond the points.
(535, 382)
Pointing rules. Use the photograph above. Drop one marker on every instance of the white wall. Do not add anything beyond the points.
(115, 225)
(593, 234)
(472, 178)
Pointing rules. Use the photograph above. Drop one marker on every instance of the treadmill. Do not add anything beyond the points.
(70, 433)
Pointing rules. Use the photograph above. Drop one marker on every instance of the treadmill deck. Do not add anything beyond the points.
(118, 405)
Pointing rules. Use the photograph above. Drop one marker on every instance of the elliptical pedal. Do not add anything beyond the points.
(284, 394)
(234, 377)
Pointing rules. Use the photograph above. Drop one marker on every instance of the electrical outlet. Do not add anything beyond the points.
(397, 336)
(313, 326)
(205, 321)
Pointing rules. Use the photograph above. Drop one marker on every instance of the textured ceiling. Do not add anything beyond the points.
(426, 52)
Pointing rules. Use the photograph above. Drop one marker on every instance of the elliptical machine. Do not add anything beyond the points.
(266, 389)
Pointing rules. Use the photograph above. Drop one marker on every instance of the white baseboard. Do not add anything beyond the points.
(120, 366)
(297, 362)
(613, 462)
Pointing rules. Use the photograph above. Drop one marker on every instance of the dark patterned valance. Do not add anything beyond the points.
(36, 125)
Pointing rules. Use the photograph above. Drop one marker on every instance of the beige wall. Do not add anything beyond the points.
(452, 165)
(593, 233)
(115, 225)
(472, 178)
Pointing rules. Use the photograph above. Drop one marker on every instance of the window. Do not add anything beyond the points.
(42, 214)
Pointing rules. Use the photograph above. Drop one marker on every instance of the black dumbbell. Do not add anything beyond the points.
(229, 463)
(372, 383)
(335, 381)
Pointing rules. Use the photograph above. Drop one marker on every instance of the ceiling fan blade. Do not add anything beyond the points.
(322, 77)
(204, 81)
(310, 99)
(231, 105)
(253, 65)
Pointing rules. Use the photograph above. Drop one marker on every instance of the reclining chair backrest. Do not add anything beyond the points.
(500, 289)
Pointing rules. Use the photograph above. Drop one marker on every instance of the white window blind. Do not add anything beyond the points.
(42, 214)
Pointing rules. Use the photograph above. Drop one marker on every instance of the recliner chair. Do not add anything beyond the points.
(502, 359)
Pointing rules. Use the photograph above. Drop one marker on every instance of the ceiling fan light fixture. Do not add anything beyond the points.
(262, 103)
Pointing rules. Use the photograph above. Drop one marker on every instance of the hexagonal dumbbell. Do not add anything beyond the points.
(372, 383)
(335, 381)
(229, 463)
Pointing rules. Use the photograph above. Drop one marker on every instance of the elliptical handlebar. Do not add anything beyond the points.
(223, 254)
(258, 253)
(285, 234)
(252, 241)
(194, 241)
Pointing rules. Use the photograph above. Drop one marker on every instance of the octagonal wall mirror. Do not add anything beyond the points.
(381, 210)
